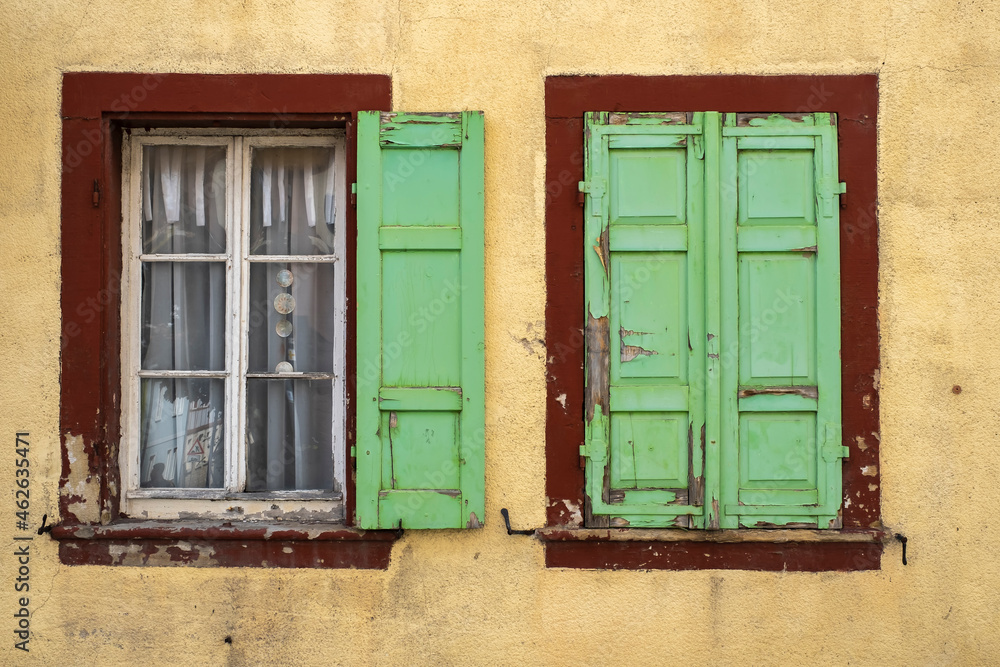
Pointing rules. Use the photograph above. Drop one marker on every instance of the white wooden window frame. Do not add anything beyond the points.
(229, 502)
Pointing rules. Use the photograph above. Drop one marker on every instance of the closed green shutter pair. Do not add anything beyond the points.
(713, 320)
(420, 339)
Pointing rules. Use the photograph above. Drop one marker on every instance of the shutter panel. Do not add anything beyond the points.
(780, 305)
(420, 339)
(645, 333)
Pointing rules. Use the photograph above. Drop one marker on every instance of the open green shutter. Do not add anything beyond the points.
(645, 319)
(420, 339)
(780, 304)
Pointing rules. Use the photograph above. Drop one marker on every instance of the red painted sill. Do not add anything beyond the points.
(232, 544)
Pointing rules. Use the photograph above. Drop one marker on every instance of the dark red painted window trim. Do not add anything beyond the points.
(96, 106)
(855, 100)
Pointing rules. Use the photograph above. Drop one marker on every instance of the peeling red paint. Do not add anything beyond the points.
(164, 543)
(181, 530)
(181, 555)
(227, 553)
(566, 514)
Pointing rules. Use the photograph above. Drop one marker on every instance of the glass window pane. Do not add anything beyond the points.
(289, 435)
(291, 317)
(182, 443)
(183, 199)
(292, 207)
(183, 316)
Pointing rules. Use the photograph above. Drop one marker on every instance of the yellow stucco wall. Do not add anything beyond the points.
(481, 597)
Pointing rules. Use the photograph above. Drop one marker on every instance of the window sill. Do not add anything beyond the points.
(776, 536)
(670, 549)
(223, 544)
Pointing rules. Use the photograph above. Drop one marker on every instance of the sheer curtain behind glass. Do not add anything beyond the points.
(291, 319)
(183, 306)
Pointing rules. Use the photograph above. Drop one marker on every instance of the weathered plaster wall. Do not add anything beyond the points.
(483, 597)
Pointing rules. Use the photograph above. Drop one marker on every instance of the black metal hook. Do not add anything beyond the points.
(902, 540)
(506, 520)
(43, 528)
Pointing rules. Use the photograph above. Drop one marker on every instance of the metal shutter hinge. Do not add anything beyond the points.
(832, 449)
(698, 145)
(595, 450)
(595, 189)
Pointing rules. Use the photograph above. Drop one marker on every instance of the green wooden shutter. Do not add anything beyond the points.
(645, 319)
(780, 305)
(713, 320)
(420, 340)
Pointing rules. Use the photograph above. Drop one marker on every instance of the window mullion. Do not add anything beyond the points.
(236, 340)
(714, 369)
(729, 417)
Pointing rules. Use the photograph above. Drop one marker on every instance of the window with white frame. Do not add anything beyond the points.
(233, 323)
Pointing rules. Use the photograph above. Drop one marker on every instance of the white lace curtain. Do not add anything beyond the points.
(183, 316)
(293, 212)
(184, 310)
